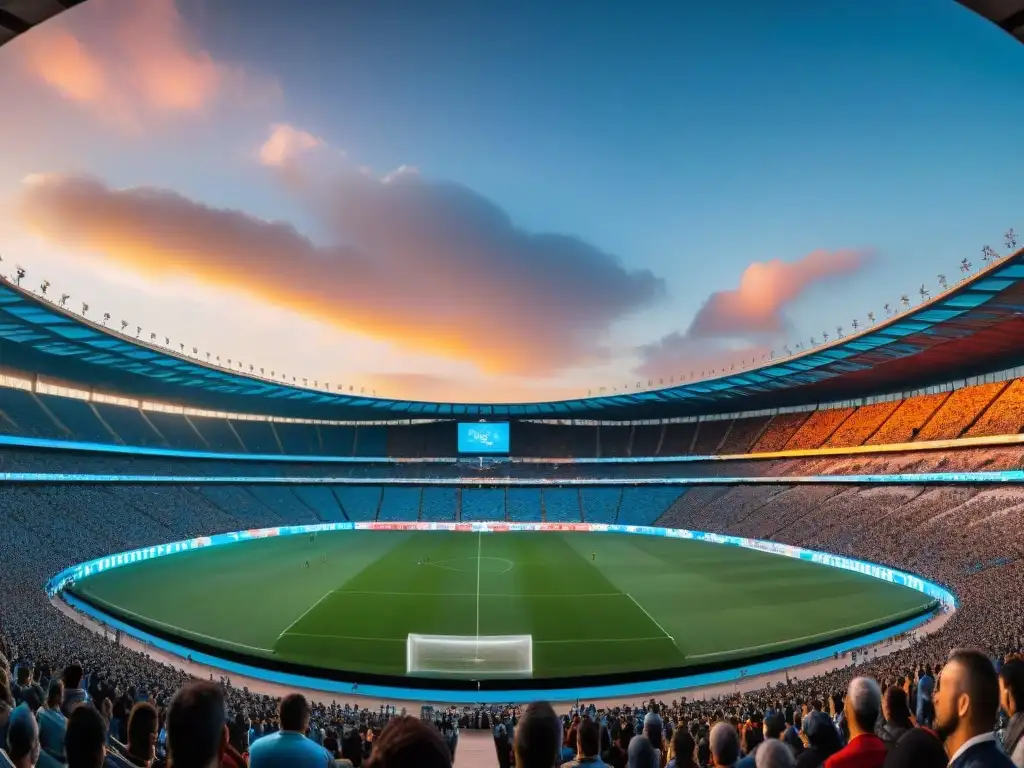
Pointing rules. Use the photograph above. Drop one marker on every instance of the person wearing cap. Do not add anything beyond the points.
(821, 739)
(861, 708)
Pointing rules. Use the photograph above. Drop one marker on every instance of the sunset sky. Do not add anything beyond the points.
(468, 200)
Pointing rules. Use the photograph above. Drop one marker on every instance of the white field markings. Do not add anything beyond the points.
(182, 631)
(479, 544)
(653, 620)
(791, 640)
(306, 612)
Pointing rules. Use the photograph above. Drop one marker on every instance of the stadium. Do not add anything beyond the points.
(743, 540)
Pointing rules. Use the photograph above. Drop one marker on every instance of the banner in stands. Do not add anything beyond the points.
(84, 570)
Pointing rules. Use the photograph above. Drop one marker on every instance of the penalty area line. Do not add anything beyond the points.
(653, 620)
(306, 612)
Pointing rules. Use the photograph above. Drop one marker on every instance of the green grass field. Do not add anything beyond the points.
(594, 603)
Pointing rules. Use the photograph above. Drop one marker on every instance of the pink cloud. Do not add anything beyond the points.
(742, 326)
(286, 143)
(766, 288)
(132, 61)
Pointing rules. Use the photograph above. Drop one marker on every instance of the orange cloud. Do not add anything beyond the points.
(766, 287)
(130, 61)
(431, 268)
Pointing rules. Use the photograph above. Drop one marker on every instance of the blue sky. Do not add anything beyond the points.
(869, 146)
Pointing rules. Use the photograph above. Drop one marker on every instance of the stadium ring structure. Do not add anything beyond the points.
(971, 330)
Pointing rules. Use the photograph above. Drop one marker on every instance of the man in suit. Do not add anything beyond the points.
(966, 704)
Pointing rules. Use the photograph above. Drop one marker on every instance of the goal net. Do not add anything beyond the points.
(462, 656)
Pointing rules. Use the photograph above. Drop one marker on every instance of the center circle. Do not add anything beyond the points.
(470, 564)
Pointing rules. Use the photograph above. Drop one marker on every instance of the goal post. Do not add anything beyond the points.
(469, 656)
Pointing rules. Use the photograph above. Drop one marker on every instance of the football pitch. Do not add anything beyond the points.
(594, 603)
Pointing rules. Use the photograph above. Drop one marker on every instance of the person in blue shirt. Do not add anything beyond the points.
(289, 747)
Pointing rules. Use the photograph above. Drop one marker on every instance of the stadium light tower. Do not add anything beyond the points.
(966, 266)
(19, 273)
(888, 310)
(85, 309)
(64, 299)
(1010, 238)
(871, 318)
(925, 293)
(152, 337)
(124, 324)
(855, 325)
(839, 331)
(943, 283)
(106, 317)
(905, 301)
(138, 331)
(44, 287)
(824, 335)
(988, 254)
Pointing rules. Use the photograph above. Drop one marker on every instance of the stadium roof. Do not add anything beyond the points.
(974, 327)
(19, 16)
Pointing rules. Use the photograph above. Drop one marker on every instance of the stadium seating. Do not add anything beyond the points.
(977, 411)
(482, 504)
(561, 505)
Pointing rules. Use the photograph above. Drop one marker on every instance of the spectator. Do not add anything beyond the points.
(538, 737)
(925, 709)
(641, 753)
(52, 724)
(23, 738)
(773, 753)
(917, 748)
(6, 707)
(289, 746)
(725, 745)
(966, 704)
(143, 725)
(822, 740)
(773, 727)
(617, 754)
(1011, 696)
(197, 730)
(654, 730)
(895, 717)
(74, 694)
(588, 744)
(862, 708)
(684, 750)
(85, 744)
(407, 742)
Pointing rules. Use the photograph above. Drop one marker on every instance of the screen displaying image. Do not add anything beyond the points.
(483, 437)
